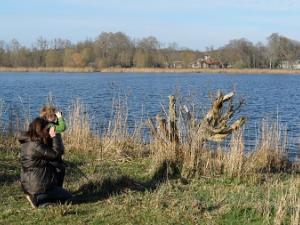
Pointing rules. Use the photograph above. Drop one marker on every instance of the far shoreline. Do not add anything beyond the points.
(147, 70)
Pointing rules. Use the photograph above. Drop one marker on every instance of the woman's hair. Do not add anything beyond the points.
(38, 130)
(48, 112)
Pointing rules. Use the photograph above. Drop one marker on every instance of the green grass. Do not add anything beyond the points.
(116, 192)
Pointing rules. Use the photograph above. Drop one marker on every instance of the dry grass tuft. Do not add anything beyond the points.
(235, 157)
(294, 201)
(270, 154)
(191, 154)
(115, 141)
(1, 114)
(118, 140)
(287, 205)
(48, 69)
(7, 139)
(78, 135)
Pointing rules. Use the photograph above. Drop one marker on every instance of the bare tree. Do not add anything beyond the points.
(119, 50)
(116, 48)
(239, 53)
(54, 58)
(281, 49)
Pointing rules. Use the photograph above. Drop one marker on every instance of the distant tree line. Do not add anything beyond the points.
(119, 50)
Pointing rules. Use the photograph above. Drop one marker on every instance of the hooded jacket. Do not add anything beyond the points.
(37, 173)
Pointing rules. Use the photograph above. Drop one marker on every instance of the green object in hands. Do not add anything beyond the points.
(59, 125)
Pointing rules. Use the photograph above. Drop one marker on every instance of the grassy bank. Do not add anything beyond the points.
(116, 192)
(117, 177)
(147, 70)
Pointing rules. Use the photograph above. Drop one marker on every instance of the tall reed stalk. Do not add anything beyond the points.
(114, 141)
(235, 157)
(78, 134)
(1, 114)
(270, 152)
(118, 139)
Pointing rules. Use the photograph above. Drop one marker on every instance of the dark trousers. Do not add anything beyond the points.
(54, 195)
(60, 173)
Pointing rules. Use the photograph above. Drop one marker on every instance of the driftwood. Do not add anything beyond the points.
(213, 127)
(173, 131)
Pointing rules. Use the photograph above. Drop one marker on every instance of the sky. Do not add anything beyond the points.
(193, 24)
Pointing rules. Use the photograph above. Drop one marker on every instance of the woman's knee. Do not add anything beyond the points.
(55, 195)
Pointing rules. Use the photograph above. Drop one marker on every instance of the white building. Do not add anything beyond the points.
(290, 65)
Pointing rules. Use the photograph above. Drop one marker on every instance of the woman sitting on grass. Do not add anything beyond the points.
(39, 178)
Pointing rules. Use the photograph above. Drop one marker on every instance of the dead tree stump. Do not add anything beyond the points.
(213, 127)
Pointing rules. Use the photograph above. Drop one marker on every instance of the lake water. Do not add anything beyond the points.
(267, 96)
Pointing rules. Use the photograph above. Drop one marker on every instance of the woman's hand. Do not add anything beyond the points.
(52, 132)
(58, 114)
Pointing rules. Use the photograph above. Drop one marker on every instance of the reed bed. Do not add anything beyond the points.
(115, 141)
(148, 70)
(78, 136)
(48, 69)
(7, 139)
(118, 141)
(270, 153)
(231, 160)
(191, 70)
(268, 156)
(1, 113)
(117, 138)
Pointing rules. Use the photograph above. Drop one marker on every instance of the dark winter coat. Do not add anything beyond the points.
(37, 173)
